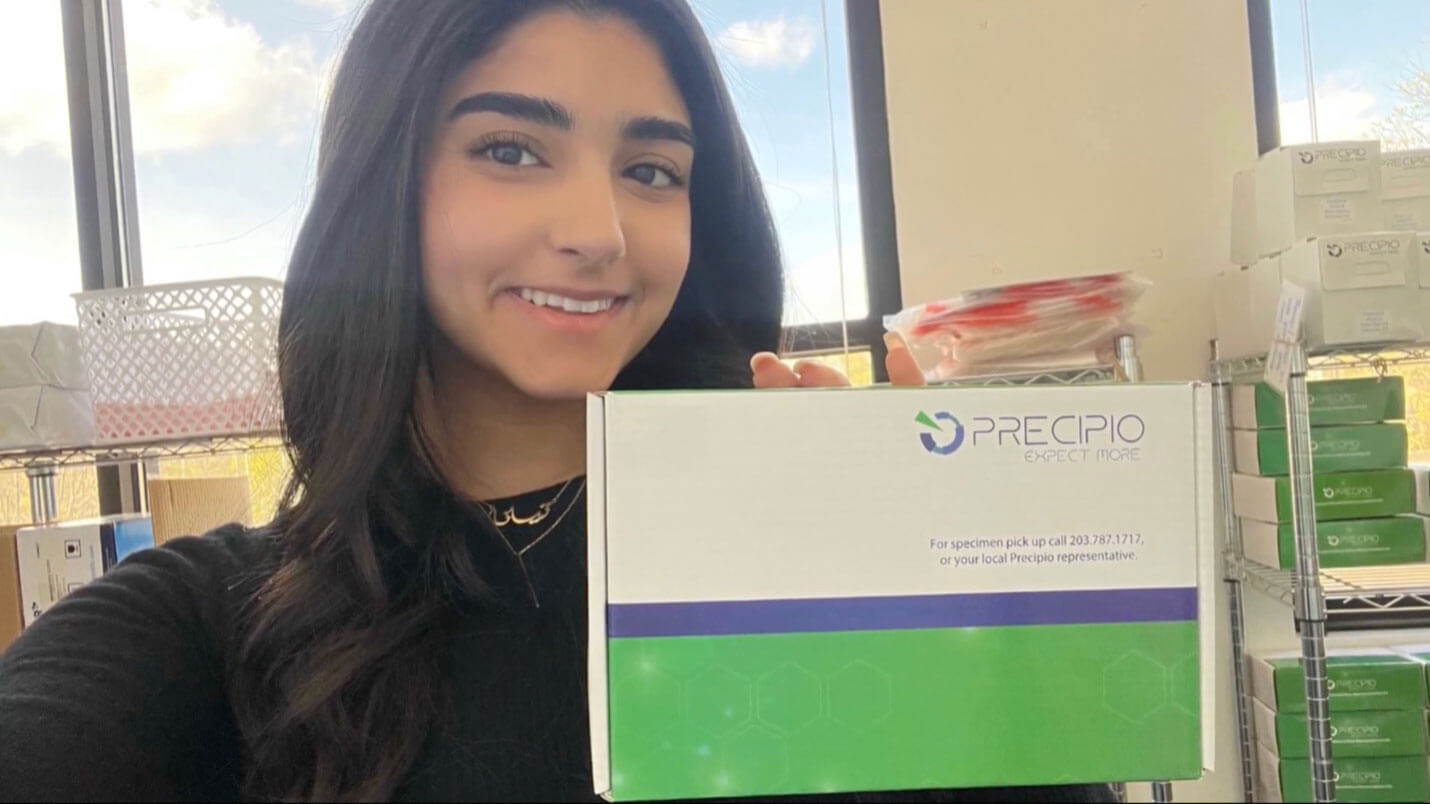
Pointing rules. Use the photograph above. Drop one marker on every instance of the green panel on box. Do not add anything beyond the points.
(1359, 542)
(1351, 401)
(1354, 495)
(1390, 733)
(1361, 779)
(1346, 448)
(1358, 683)
(886, 710)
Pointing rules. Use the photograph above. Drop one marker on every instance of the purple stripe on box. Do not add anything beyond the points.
(726, 618)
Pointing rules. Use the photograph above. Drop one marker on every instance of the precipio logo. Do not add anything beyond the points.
(1333, 249)
(949, 439)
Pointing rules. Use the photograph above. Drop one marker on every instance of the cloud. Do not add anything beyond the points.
(770, 43)
(812, 287)
(32, 59)
(335, 6)
(196, 78)
(1345, 110)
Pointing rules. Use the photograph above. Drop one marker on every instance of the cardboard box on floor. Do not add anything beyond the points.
(59, 557)
(194, 506)
(11, 616)
(886, 589)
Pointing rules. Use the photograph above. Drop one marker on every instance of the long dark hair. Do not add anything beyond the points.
(338, 678)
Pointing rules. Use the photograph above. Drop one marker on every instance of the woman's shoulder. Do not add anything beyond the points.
(217, 572)
(229, 550)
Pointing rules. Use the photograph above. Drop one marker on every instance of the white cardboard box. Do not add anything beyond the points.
(1405, 190)
(1360, 288)
(1235, 294)
(41, 354)
(42, 416)
(816, 551)
(1312, 190)
(57, 559)
(1243, 218)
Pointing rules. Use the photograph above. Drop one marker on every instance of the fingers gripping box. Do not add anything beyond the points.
(813, 591)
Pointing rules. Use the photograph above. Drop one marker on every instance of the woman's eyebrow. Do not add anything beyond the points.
(658, 128)
(540, 111)
(544, 112)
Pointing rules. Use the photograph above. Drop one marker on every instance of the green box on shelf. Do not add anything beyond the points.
(1339, 448)
(1358, 779)
(1420, 653)
(1372, 733)
(1360, 679)
(1340, 542)
(1354, 401)
(1338, 495)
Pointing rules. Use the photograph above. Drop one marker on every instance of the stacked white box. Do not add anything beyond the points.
(1347, 223)
(1360, 289)
(1405, 190)
(1243, 218)
(1313, 190)
(44, 388)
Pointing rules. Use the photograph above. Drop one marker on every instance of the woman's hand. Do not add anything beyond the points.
(771, 373)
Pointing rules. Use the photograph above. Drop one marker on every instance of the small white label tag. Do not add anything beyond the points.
(1337, 209)
(1374, 324)
(1286, 335)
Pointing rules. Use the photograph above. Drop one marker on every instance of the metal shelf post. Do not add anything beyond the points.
(1231, 532)
(1125, 348)
(44, 505)
(1309, 602)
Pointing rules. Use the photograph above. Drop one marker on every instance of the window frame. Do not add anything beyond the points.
(865, 43)
(1263, 76)
(106, 206)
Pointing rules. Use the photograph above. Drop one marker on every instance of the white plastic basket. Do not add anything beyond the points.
(186, 360)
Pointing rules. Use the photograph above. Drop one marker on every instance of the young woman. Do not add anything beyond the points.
(518, 202)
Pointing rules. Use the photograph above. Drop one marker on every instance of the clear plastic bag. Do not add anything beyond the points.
(1035, 326)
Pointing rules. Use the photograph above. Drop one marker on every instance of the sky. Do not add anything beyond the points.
(1359, 50)
(225, 97)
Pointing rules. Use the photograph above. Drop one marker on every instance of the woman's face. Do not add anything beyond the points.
(555, 212)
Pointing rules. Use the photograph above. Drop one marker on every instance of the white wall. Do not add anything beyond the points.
(1043, 138)
(1036, 138)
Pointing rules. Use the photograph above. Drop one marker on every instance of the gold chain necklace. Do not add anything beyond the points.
(540, 516)
(511, 517)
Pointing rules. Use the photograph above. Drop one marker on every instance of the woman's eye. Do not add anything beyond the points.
(654, 176)
(509, 154)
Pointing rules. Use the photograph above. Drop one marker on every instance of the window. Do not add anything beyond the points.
(224, 102)
(40, 250)
(788, 72)
(1367, 75)
(38, 245)
(1347, 69)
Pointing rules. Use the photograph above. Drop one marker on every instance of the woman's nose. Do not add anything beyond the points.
(587, 225)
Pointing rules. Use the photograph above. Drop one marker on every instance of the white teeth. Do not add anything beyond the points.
(543, 299)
